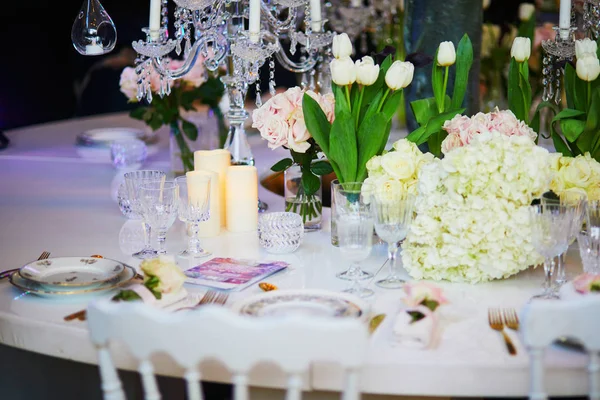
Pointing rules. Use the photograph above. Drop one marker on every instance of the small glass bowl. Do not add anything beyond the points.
(280, 232)
(128, 153)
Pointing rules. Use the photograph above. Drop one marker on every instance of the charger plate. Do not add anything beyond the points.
(103, 137)
(309, 302)
(125, 277)
(71, 271)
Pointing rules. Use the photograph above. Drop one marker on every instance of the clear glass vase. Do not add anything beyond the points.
(309, 207)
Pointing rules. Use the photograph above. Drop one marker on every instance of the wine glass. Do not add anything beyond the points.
(194, 205)
(133, 181)
(355, 235)
(550, 228)
(392, 215)
(160, 201)
(576, 201)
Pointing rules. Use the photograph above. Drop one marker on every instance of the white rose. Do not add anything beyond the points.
(341, 46)
(521, 49)
(585, 46)
(388, 189)
(406, 147)
(169, 275)
(343, 71)
(128, 83)
(397, 165)
(374, 164)
(446, 54)
(366, 71)
(526, 11)
(399, 75)
(588, 67)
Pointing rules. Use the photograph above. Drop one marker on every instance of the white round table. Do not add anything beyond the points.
(56, 198)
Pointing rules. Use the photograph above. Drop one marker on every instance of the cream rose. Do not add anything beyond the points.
(128, 83)
(578, 173)
(398, 165)
(170, 277)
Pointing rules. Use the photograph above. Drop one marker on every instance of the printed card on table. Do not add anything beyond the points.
(231, 273)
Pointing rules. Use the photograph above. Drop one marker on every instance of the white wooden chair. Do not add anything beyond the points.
(239, 342)
(546, 321)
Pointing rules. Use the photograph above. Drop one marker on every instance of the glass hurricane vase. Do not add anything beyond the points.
(309, 207)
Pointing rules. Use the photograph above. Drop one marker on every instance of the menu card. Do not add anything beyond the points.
(231, 273)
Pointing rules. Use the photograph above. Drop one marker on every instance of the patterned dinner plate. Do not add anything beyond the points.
(319, 303)
(125, 277)
(71, 271)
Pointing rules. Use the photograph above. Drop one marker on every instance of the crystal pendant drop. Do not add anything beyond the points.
(93, 32)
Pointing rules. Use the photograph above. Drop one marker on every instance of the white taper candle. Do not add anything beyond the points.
(154, 19)
(564, 21)
(254, 23)
(315, 15)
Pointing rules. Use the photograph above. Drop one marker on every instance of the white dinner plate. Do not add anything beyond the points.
(103, 137)
(71, 271)
(309, 302)
(38, 289)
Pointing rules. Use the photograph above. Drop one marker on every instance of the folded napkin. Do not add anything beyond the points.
(166, 300)
(417, 334)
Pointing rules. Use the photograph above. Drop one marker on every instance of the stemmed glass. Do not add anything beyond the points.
(392, 215)
(194, 205)
(133, 181)
(550, 229)
(355, 235)
(160, 201)
(577, 203)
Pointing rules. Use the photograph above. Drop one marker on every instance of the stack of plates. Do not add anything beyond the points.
(72, 276)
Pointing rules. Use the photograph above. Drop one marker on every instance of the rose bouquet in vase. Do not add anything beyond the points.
(194, 90)
(281, 122)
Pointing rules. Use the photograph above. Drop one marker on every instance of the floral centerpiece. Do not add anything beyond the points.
(281, 123)
(581, 173)
(186, 94)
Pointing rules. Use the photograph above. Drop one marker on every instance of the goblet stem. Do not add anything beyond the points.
(549, 293)
(162, 237)
(194, 242)
(392, 258)
(147, 236)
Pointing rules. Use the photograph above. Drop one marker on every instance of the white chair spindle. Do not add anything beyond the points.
(536, 391)
(194, 388)
(149, 380)
(594, 375)
(111, 384)
(294, 387)
(240, 386)
(350, 390)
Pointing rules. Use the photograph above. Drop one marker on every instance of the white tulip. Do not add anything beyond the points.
(521, 49)
(486, 4)
(526, 11)
(341, 46)
(585, 46)
(399, 75)
(588, 67)
(366, 71)
(343, 71)
(446, 54)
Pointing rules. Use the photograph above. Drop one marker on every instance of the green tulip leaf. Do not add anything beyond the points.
(190, 130)
(421, 135)
(464, 61)
(560, 145)
(424, 109)
(372, 133)
(316, 122)
(343, 146)
(572, 128)
(515, 92)
(437, 82)
(567, 113)
(392, 103)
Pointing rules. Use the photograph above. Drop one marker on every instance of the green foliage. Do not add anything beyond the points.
(282, 165)
(464, 61)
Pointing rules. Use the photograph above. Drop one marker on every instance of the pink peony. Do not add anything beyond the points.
(280, 120)
(586, 283)
(419, 292)
(128, 83)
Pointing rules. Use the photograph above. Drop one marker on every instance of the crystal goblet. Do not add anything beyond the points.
(160, 202)
(194, 206)
(133, 181)
(392, 215)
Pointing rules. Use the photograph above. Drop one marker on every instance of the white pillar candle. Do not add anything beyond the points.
(254, 23)
(154, 19)
(211, 227)
(315, 15)
(217, 161)
(242, 198)
(564, 21)
(356, 3)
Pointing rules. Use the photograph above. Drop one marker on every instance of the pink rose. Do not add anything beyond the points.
(586, 283)
(419, 293)
(276, 132)
(451, 142)
(128, 83)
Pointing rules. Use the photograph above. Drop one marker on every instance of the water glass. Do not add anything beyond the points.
(128, 153)
(133, 182)
(589, 249)
(550, 229)
(280, 232)
(593, 218)
(355, 234)
(160, 202)
(345, 198)
(194, 207)
(392, 215)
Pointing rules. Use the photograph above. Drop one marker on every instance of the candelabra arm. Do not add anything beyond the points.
(296, 67)
(279, 26)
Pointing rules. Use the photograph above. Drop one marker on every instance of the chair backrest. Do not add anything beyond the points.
(546, 321)
(239, 342)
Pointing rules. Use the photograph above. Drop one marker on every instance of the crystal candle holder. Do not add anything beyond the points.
(280, 232)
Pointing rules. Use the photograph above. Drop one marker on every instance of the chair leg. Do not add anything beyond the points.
(594, 375)
(536, 391)
(111, 384)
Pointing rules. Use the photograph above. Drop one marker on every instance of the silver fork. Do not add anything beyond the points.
(210, 297)
(6, 274)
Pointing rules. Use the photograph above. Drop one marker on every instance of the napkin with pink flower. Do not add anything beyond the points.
(587, 283)
(416, 323)
(162, 286)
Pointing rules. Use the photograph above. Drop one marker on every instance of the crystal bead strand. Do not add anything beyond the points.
(272, 90)
(258, 93)
(179, 24)
(558, 93)
(164, 12)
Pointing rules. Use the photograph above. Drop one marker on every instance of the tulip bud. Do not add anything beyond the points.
(341, 46)
(521, 49)
(399, 75)
(343, 71)
(366, 71)
(446, 54)
(585, 46)
(588, 67)
(526, 11)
